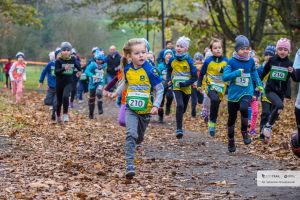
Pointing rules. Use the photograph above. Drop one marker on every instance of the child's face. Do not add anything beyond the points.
(168, 56)
(100, 61)
(20, 59)
(180, 49)
(256, 60)
(282, 52)
(138, 55)
(244, 52)
(267, 58)
(217, 49)
(66, 52)
(198, 62)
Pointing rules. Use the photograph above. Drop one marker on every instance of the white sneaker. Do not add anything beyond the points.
(80, 101)
(65, 117)
(267, 131)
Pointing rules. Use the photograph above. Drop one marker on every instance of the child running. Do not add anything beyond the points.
(196, 96)
(254, 103)
(140, 79)
(95, 71)
(49, 71)
(168, 95)
(240, 72)
(181, 74)
(17, 74)
(280, 69)
(64, 70)
(215, 88)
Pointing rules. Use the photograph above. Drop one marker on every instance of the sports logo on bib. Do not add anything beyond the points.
(278, 73)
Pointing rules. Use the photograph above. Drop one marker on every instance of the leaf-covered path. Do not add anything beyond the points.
(84, 159)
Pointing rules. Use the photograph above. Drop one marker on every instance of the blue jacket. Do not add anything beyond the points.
(240, 84)
(95, 69)
(49, 70)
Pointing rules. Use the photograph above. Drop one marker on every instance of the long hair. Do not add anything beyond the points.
(127, 49)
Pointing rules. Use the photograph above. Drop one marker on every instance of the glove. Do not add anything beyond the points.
(182, 84)
(261, 89)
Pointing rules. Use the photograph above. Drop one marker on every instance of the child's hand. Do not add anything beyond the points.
(105, 93)
(290, 69)
(40, 85)
(113, 95)
(67, 67)
(78, 74)
(154, 111)
(199, 89)
(241, 72)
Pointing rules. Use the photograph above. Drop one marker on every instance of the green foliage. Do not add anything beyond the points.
(14, 12)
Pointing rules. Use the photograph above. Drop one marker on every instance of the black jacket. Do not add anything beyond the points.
(113, 63)
(60, 72)
(280, 87)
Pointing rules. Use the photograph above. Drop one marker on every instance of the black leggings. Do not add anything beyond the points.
(93, 94)
(74, 90)
(169, 96)
(63, 94)
(214, 105)
(266, 108)
(233, 108)
(7, 81)
(196, 98)
(182, 101)
(277, 104)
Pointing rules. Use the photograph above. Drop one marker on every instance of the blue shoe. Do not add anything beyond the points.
(212, 128)
(130, 172)
(247, 139)
(231, 145)
(179, 133)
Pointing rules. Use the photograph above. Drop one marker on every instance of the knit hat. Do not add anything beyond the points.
(94, 49)
(57, 51)
(198, 56)
(73, 51)
(270, 50)
(66, 46)
(241, 41)
(168, 51)
(52, 55)
(184, 42)
(147, 44)
(20, 54)
(99, 55)
(284, 43)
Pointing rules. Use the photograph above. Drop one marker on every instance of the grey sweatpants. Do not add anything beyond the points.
(135, 130)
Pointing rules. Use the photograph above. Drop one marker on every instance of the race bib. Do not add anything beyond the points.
(83, 77)
(70, 71)
(179, 79)
(218, 87)
(243, 80)
(52, 70)
(20, 70)
(99, 76)
(278, 73)
(137, 100)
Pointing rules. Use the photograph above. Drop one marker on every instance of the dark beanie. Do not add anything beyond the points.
(241, 41)
(270, 50)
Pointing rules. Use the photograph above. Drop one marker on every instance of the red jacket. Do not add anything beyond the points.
(7, 67)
